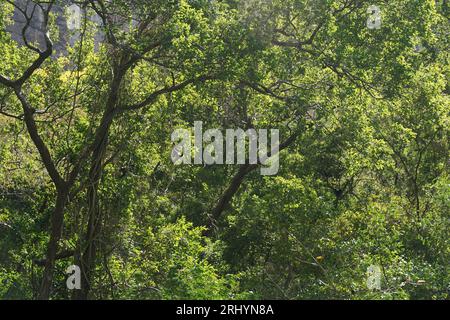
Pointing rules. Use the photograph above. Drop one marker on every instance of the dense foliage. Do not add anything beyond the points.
(86, 175)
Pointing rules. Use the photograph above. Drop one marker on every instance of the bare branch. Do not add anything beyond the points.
(42, 55)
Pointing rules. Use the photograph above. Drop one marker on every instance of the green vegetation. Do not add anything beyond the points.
(86, 176)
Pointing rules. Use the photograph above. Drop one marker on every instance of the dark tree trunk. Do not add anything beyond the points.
(236, 183)
(89, 245)
(52, 248)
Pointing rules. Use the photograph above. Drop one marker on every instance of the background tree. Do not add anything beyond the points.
(363, 116)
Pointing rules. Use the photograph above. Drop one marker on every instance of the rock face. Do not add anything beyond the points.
(34, 32)
(68, 17)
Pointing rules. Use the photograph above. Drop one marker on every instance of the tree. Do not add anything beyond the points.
(363, 120)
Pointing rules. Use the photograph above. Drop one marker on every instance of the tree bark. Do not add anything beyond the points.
(227, 195)
(52, 248)
(88, 245)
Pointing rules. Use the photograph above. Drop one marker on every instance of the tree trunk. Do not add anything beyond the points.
(89, 244)
(52, 248)
(235, 184)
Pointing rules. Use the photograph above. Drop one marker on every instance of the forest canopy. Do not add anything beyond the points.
(357, 92)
